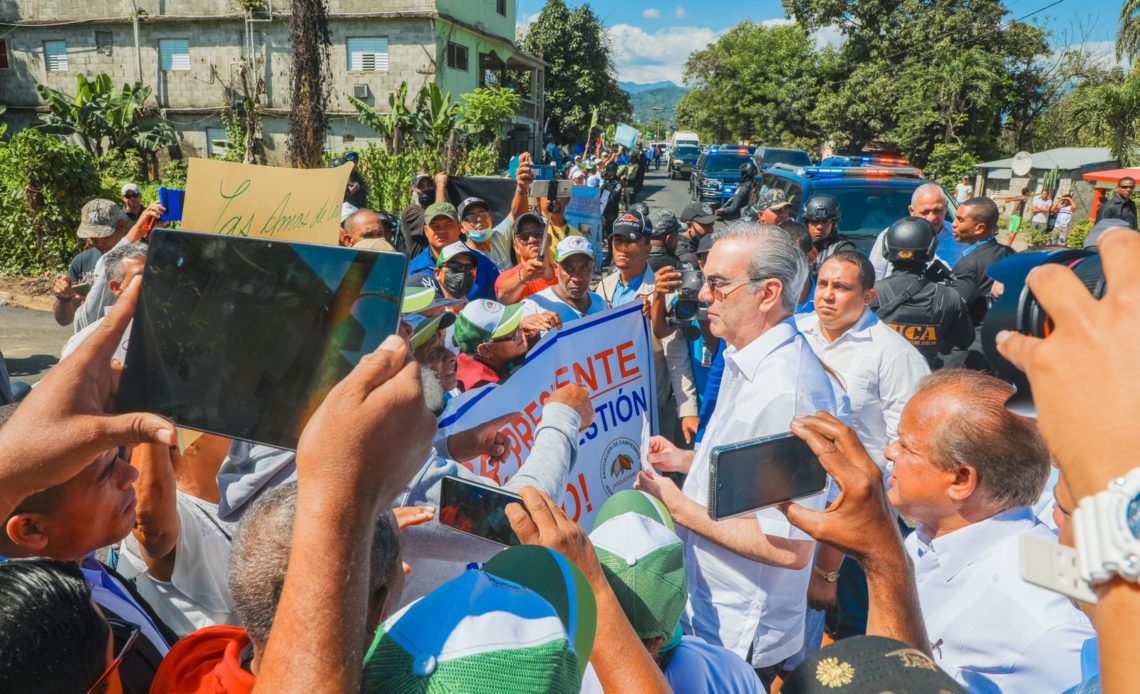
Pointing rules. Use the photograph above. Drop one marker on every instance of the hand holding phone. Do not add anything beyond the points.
(477, 509)
(757, 474)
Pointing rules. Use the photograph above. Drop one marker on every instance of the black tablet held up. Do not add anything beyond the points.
(244, 337)
(756, 474)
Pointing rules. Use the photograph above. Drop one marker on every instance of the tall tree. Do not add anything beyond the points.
(1128, 34)
(921, 72)
(308, 122)
(1112, 111)
(580, 70)
(754, 83)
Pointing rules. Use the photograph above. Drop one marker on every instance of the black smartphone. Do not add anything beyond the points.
(244, 337)
(81, 288)
(477, 509)
(756, 474)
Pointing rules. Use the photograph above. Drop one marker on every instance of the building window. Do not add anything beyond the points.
(55, 56)
(3, 54)
(368, 55)
(501, 7)
(457, 56)
(174, 54)
(104, 40)
(217, 144)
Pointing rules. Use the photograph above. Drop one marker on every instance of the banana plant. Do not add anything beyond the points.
(437, 115)
(106, 119)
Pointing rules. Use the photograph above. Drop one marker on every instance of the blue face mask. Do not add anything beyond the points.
(478, 235)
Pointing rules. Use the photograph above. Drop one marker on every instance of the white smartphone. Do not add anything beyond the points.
(1054, 567)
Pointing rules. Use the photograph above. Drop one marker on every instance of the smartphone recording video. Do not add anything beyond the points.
(477, 509)
(757, 474)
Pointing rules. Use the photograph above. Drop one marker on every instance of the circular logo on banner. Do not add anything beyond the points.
(620, 464)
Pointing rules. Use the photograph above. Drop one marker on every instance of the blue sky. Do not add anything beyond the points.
(652, 38)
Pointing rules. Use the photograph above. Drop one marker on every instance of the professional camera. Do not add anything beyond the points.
(687, 307)
(1017, 309)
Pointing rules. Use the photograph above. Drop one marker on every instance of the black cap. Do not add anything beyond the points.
(663, 223)
(869, 665)
(631, 226)
(420, 177)
(528, 217)
(696, 212)
(705, 244)
(472, 202)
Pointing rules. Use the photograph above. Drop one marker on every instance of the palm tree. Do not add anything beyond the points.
(1113, 110)
(1128, 33)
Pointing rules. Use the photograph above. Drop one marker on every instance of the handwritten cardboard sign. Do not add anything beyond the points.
(264, 201)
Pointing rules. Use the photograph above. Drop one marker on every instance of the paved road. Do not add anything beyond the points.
(30, 341)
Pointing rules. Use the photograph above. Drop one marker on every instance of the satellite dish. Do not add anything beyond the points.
(1022, 163)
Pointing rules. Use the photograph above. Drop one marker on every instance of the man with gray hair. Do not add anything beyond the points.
(121, 265)
(226, 658)
(966, 470)
(748, 576)
(931, 203)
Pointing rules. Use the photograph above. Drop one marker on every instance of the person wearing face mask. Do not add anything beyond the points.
(442, 230)
(425, 192)
(455, 270)
(493, 241)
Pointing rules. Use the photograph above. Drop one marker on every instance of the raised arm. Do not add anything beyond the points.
(157, 524)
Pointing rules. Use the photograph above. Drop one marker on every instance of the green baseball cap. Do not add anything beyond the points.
(484, 320)
(441, 209)
(555, 578)
(634, 501)
(644, 563)
(477, 633)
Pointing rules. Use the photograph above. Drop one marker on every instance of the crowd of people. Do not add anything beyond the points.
(133, 562)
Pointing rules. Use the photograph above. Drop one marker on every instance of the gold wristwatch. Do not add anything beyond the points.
(829, 576)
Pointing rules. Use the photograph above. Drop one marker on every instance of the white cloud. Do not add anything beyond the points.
(651, 13)
(679, 13)
(830, 35)
(660, 55)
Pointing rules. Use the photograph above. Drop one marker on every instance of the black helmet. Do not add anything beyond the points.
(389, 219)
(821, 208)
(910, 240)
(747, 170)
(640, 207)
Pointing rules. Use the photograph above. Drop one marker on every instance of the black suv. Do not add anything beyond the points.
(717, 173)
(681, 160)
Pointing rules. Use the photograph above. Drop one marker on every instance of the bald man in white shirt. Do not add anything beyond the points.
(966, 470)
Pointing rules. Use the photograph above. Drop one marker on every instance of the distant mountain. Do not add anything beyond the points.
(665, 98)
(638, 87)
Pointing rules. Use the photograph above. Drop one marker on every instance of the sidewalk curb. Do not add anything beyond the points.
(29, 301)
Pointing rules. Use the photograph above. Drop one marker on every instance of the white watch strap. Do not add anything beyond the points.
(1104, 542)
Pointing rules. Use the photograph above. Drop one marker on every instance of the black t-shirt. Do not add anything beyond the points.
(83, 265)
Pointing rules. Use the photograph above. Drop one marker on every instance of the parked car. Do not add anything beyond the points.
(767, 156)
(870, 198)
(717, 173)
(680, 160)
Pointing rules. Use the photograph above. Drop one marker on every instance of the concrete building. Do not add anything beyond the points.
(190, 52)
(996, 178)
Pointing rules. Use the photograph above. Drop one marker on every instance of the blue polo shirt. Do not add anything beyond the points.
(625, 293)
(485, 274)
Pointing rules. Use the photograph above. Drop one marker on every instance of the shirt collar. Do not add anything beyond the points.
(859, 332)
(748, 359)
(961, 548)
(975, 246)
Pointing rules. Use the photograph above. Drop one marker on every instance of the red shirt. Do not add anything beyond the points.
(207, 661)
(472, 373)
(532, 287)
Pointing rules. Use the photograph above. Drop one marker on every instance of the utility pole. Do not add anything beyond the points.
(138, 52)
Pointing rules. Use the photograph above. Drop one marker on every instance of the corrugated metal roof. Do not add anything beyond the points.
(1064, 158)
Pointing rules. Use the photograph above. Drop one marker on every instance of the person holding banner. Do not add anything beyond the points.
(748, 576)
(571, 298)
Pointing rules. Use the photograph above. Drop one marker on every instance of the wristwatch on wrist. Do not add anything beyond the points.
(1106, 527)
(829, 576)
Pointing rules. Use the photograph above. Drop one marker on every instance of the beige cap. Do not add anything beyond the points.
(99, 218)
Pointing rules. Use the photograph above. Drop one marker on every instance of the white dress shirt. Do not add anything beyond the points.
(880, 371)
(989, 629)
(736, 602)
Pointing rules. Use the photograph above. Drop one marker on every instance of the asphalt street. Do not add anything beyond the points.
(659, 192)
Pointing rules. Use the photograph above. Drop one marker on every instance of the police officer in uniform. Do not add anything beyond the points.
(743, 194)
(930, 315)
(821, 215)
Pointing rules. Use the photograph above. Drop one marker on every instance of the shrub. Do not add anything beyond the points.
(1078, 232)
(44, 183)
